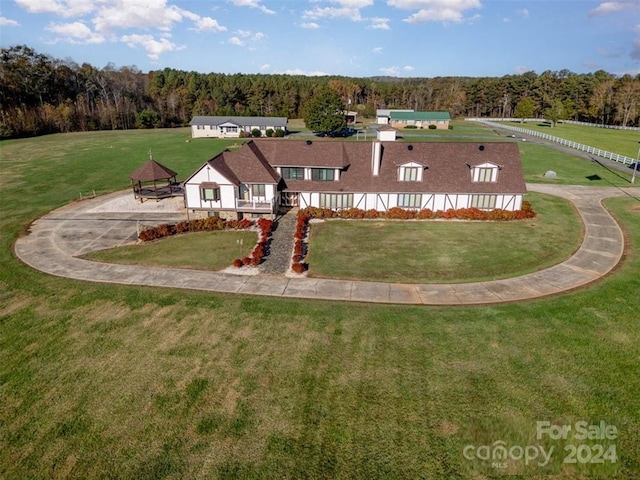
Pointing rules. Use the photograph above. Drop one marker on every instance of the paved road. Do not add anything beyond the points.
(56, 239)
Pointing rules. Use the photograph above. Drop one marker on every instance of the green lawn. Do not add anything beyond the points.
(199, 250)
(115, 381)
(624, 142)
(538, 159)
(432, 251)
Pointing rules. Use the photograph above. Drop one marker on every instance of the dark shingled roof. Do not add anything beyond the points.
(152, 171)
(247, 165)
(447, 166)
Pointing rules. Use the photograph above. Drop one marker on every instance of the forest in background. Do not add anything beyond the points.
(40, 95)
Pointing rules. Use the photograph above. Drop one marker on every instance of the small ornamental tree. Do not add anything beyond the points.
(269, 132)
(279, 133)
(255, 133)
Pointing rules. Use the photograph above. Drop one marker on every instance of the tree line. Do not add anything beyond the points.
(40, 94)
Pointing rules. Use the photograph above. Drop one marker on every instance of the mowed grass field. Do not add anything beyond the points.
(109, 381)
(624, 142)
(445, 251)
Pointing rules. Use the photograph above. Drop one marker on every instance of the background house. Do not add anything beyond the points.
(266, 174)
(230, 127)
(420, 119)
(384, 114)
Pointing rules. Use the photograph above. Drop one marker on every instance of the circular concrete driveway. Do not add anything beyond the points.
(55, 241)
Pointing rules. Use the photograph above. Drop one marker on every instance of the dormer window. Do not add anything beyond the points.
(293, 173)
(485, 173)
(322, 174)
(410, 172)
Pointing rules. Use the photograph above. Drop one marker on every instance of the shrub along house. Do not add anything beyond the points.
(230, 127)
(266, 174)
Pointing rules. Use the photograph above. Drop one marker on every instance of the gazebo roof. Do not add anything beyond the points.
(152, 171)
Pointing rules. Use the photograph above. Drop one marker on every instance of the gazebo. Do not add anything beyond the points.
(153, 180)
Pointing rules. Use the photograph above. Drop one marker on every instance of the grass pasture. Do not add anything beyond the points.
(624, 142)
(199, 250)
(114, 381)
(431, 251)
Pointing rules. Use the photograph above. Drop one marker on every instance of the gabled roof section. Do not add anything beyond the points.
(445, 163)
(420, 116)
(241, 121)
(309, 153)
(152, 171)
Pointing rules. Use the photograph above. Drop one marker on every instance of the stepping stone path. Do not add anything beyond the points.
(281, 246)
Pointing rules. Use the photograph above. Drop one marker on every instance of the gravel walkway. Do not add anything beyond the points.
(281, 245)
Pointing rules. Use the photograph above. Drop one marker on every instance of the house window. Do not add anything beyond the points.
(336, 200)
(322, 174)
(411, 174)
(258, 190)
(483, 202)
(210, 194)
(485, 174)
(409, 200)
(293, 173)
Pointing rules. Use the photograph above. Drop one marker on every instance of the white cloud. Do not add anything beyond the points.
(349, 9)
(606, 8)
(76, 32)
(153, 47)
(523, 12)
(378, 23)
(64, 8)
(519, 70)
(435, 10)
(139, 14)
(310, 25)
(391, 71)
(377, 50)
(6, 22)
(265, 67)
(352, 14)
(298, 71)
(252, 4)
(208, 24)
(242, 35)
(408, 68)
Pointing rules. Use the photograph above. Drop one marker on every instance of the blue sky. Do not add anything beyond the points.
(358, 38)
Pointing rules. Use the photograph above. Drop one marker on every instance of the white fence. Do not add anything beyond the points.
(598, 125)
(616, 157)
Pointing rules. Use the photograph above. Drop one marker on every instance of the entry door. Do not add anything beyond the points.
(289, 199)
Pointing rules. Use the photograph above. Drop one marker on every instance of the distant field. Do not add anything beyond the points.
(624, 142)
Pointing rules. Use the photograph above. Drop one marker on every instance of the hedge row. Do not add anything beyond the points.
(397, 213)
(209, 224)
(297, 260)
(260, 250)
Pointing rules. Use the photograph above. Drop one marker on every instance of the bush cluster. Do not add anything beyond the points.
(299, 253)
(260, 250)
(397, 213)
(208, 224)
